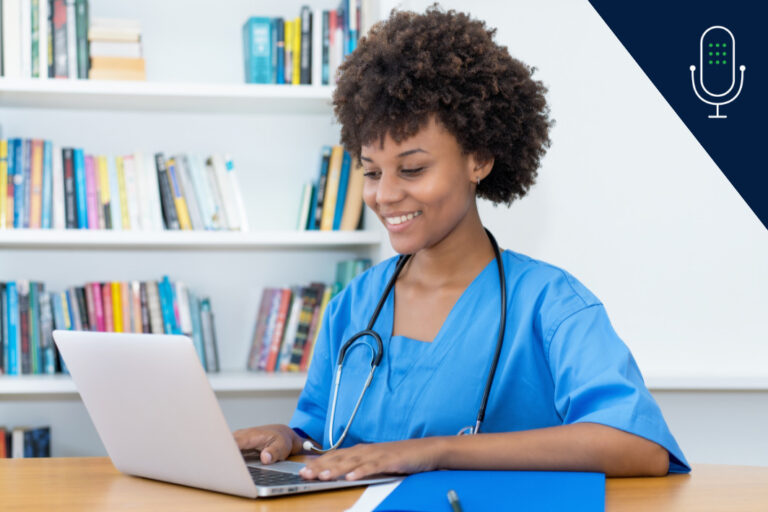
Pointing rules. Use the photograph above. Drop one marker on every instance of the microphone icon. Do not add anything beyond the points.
(717, 49)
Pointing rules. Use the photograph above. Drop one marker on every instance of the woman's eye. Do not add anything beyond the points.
(370, 174)
(412, 171)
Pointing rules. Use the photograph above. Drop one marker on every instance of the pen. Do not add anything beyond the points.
(453, 499)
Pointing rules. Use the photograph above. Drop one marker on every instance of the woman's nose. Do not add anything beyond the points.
(389, 189)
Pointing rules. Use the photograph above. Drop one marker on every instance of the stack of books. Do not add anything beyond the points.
(30, 314)
(303, 50)
(48, 187)
(115, 50)
(335, 200)
(289, 321)
(24, 442)
(44, 39)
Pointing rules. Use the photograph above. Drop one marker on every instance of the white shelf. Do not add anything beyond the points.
(165, 96)
(245, 382)
(122, 240)
(13, 385)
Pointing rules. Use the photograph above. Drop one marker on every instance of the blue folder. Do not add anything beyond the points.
(528, 491)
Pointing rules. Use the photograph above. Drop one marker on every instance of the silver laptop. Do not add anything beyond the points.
(158, 417)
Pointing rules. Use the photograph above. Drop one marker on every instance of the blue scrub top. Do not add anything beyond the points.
(561, 363)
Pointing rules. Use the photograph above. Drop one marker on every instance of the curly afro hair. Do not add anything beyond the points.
(413, 66)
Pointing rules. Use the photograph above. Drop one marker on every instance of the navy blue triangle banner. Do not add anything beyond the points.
(708, 59)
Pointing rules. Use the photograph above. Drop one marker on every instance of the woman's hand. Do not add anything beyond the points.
(276, 442)
(363, 460)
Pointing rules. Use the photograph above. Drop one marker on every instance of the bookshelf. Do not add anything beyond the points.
(210, 240)
(194, 100)
(237, 382)
(165, 96)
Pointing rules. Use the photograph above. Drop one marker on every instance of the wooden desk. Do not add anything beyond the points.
(69, 484)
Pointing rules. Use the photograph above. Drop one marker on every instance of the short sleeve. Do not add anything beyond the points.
(597, 380)
(312, 407)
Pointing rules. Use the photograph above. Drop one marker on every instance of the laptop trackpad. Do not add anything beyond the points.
(284, 466)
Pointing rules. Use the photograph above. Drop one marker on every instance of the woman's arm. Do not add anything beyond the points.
(573, 447)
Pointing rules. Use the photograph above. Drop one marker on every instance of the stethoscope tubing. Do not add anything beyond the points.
(378, 354)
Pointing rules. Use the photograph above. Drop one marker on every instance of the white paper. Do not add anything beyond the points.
(372, 496)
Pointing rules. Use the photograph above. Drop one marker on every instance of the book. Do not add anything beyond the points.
(278, 51)
(46, 209)
(353, 204)
(166, 195)
(155, 310)
(3, 328)
(279, 326)
(184, 175)
(107, 48)
(209, 336)
(307, 195)
(316, 58)
(266, 343)
(12, 38)
(91, 192)
(291, 327)
(305, 58)
(19, 179)
(3, 183)
(24, 353)
(235, 195)
(259, 329)
(257, 51)
(178, 195)
(116, 74)
(78, 158)
(308, 306)
(60, 40)
(35, 38)
(342, 191)
(296, 50)
(34, 328)
(307, 357)
(332, 188)
(35, 210)
(13, 341)
(317, 210)
(81, 35)
(197, 329)
(71, 39)
(132, 192)
(47, 347)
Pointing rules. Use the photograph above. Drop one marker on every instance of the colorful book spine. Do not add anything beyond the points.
(3, 183)
(166, 194)
(10, 184)
(342, 193)
(257, 51)
(278, 38)
(92, 199)
(81, 34)
(209, 336)
(106, 295)
(46, 214)
(98, 307)
(34, 329)
(317, 211)
(296, 34)
(117, 307)
(115, 204)
(332, 188)
(305, 57)
(36, 184)
(277, 335)
(61, 66)
(14, 336)
(18, 184)
(125, 219)
(197, 330)
(104, 190)
(23, 289)
(80, 188)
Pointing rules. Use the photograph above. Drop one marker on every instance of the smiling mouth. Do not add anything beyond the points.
(402, 218)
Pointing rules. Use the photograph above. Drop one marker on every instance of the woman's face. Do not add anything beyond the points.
(420, 189)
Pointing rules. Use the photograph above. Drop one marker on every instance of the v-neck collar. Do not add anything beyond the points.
(438, 347)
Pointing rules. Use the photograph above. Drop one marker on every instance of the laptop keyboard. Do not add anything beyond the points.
(269, 477)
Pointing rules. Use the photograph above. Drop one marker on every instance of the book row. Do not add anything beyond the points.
(57, 39)
(30, 314)
(48, 187)
(335, 200)
(24, 442)
(289, 320)
(307, 49)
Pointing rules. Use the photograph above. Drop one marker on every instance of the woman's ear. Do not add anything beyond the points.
(480, 167)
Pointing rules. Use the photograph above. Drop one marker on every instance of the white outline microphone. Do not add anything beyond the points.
(733, 74)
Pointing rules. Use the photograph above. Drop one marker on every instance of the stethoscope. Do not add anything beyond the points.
(377, 354)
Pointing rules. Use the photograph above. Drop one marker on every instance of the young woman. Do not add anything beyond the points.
(440, 115)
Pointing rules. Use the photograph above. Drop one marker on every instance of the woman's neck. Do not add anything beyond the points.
(456, 259)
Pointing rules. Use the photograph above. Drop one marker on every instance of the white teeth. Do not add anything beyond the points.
(399, 220)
